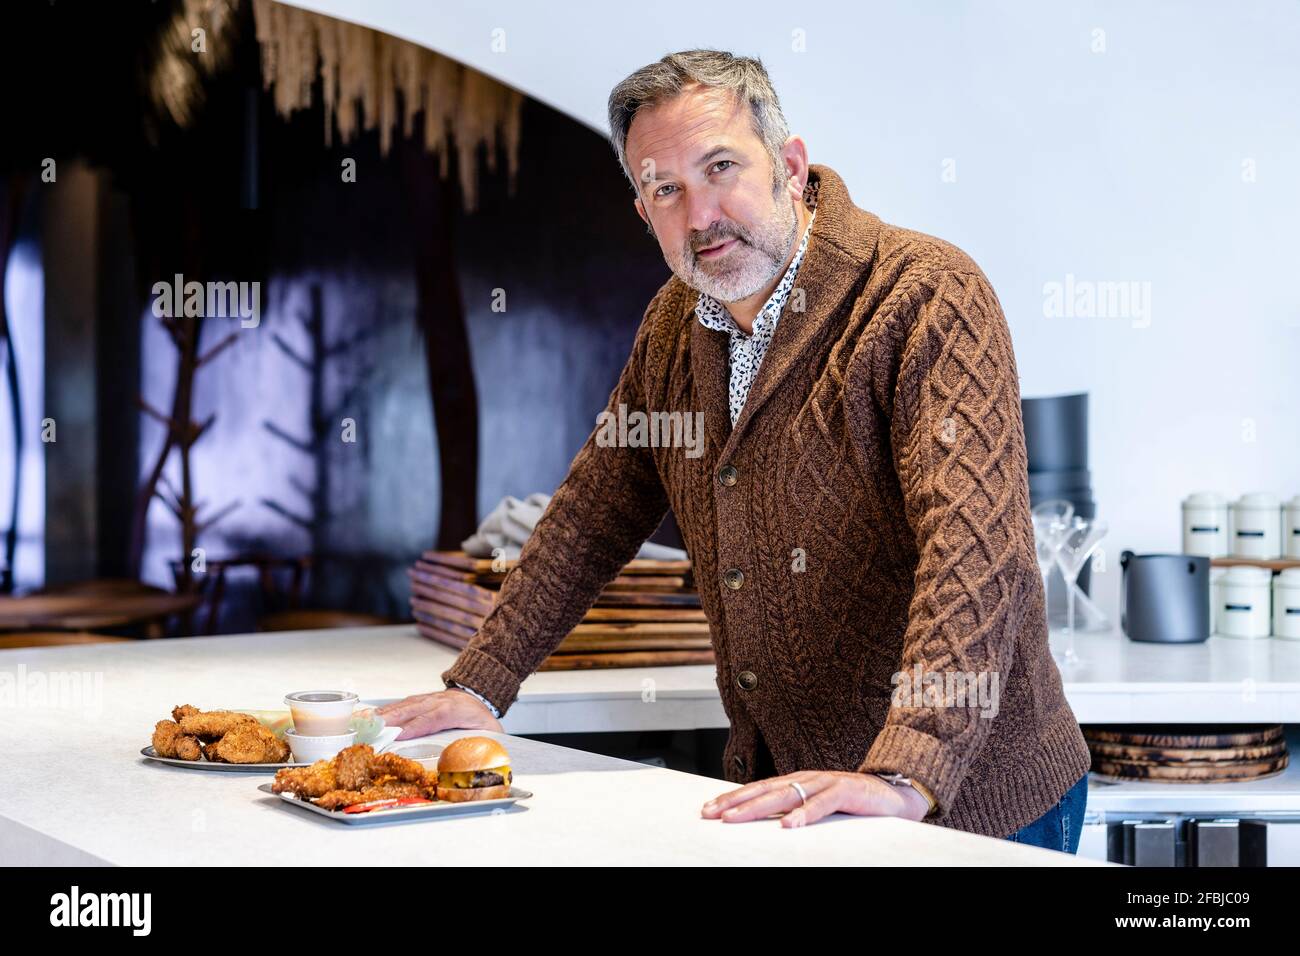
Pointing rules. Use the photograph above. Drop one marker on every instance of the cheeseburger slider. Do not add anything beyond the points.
(473, 768)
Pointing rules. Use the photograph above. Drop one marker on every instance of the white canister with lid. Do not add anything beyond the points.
(1286, 605)
(1291, 528)
(1243, 604)
(1257, 526)
(1205, 524)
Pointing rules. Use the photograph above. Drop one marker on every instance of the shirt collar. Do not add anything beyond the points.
(714, 315)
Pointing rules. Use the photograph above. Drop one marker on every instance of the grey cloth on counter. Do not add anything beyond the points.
(510, 523)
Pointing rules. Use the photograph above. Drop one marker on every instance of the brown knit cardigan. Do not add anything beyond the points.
(867, 517)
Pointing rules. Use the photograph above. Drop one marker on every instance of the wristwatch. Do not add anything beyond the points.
(899, 780)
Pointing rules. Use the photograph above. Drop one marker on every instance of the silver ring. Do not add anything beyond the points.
(803, 794)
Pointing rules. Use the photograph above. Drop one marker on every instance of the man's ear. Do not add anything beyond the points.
(640, 211)
(794, 156)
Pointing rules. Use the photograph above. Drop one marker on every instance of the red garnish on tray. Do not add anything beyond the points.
(370, 805)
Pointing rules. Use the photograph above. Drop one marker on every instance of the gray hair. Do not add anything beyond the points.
(662, 80)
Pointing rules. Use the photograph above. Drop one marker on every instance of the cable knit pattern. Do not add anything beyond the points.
(877, 527)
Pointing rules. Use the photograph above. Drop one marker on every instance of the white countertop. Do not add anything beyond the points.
(1222, 680)
(78, 792)
(1219, 681)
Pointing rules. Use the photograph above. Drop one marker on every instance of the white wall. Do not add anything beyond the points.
(1122, 165)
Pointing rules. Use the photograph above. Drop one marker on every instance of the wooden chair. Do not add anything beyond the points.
(280, 580)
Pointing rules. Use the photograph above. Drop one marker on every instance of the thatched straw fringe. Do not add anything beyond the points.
(176, 82)
(362, 72)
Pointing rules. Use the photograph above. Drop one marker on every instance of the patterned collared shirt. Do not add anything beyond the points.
(747, 351)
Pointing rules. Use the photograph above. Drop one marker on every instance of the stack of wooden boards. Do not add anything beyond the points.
(1187, 753)
(648, 616)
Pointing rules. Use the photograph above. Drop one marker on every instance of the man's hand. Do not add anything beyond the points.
(422, 714)
(828, 791)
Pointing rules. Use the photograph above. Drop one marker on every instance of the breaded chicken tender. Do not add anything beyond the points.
(314, 781)
(352, 774)
(249, 743)
(403, 768)
(170, 741)
(352, 767)
(338, 799)
(209, 725)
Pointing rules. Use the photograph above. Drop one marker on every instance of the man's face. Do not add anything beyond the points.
(706, 189)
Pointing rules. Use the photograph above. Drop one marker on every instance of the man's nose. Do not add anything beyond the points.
(703, 214)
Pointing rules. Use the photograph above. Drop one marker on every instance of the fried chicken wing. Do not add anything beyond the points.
(210, 725)
(357, 771)
(170, 741)
(182, 711)
(338, 799)
(249, 743)
(403, 768)
(352, 767)
(314, 781)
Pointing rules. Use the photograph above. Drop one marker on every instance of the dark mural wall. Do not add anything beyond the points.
(339, 339)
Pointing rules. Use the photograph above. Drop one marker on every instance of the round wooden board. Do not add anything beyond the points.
(1178, 755)
(1249, 770)
(1187, 735)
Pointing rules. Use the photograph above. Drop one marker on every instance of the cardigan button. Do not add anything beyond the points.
(739, 761)
(747, 680)
(734, 578)
(728, 474)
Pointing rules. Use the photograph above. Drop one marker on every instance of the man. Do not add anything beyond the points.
(858, 522)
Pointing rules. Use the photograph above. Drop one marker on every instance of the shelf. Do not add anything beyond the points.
(1278, 794)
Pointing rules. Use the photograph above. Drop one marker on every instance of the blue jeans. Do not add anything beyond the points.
(1059, 827)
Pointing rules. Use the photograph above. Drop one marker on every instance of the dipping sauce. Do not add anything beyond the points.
(321, 713)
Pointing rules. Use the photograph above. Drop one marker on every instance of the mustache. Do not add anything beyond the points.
(714, 238)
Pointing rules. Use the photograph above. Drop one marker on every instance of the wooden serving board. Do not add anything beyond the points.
(431, 630)
(463, 562)
(624, 582)
(461, 631)
(468, 585)
(464, 604)
(456, 599)
(1187, 735)
(1183, 755)
(648, 614)
(1176, 773)
(456, 619)
(583, 645)
(577, 662)
(683, 598)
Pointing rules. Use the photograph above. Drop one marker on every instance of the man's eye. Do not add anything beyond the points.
(660, 191)
(721, 161)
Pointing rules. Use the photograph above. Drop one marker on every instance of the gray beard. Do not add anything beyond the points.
(764, 257)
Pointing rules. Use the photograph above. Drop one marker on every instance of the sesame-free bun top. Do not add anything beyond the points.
(472, 753)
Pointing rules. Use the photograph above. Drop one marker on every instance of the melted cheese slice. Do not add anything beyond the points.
(461, 779)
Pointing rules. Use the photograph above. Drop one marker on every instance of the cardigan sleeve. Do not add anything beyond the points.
(959, 451)
(608, 504)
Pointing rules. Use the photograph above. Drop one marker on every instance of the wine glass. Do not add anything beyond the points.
(1078, 541)
(1050, 518)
